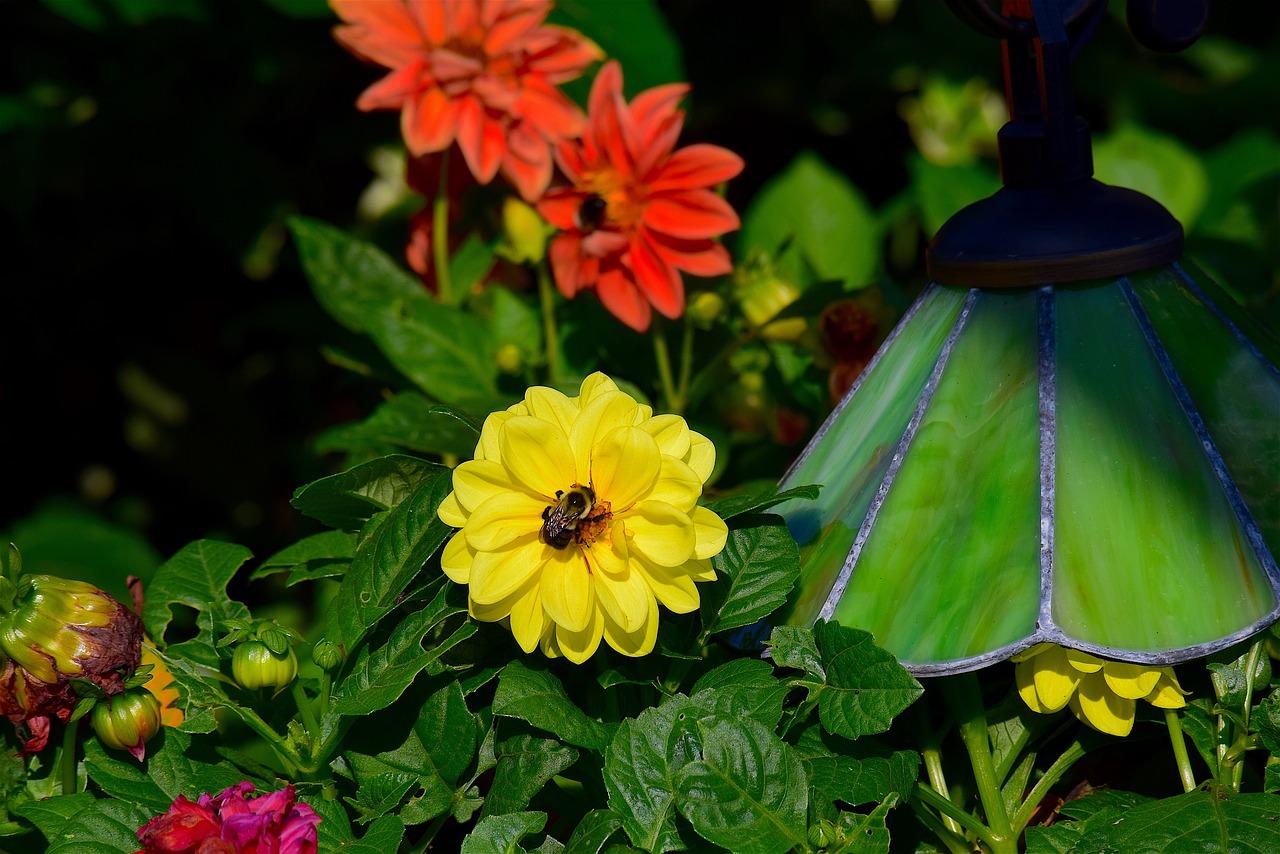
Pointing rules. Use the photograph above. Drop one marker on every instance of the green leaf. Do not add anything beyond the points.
(435, 751)
(1155, 164)
(748, 793)
(743, 686)
(857, 772)
(516, 321)
(1233, 168)
(831, 229)
(866, 687)
(640, 766)
(1266, 720)
(592, 832)
(1205, 820)
(1234, 681)
(334, 834)
(321, 555)
(1271, 778)
(380, 794)
(525, 764)
(72, 543)
(941, 191)
(409, 421)
(864, 834)
(168, 772)
(758, 567)
(635, 33)
(197, 576)
(1200, 725)
(353, 280)
(794, 646)
(381, 675)
(83, 824)
(538, 698)
(736, 505)
(469, 263)
(388, 559)
(501, 834)
(349, 499)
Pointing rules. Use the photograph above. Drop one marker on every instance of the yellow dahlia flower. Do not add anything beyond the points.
(578, 516)
(1101, 693)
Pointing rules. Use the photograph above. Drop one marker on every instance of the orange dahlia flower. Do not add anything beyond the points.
(638, 211)
(481, 74)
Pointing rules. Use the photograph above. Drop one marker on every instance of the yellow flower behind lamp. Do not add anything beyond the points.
(578, 516)
(1101, 693)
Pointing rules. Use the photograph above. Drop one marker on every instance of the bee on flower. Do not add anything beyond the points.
(578, 517)
(1100, 693)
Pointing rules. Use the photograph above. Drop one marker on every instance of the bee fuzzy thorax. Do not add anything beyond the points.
(560, 520)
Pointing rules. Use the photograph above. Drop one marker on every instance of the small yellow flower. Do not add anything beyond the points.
(578, 516)
(1100, 693)
(161, 685)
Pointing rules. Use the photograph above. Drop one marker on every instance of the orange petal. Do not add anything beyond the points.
(655, 104)
(690, 214)
(549, 111)
(700, 257)
(655, 144)
(696, 166)
(393, 91)
(481, 140)
(657, 279)
(385, 33)
(623, 299)
(606, 122)
(510, 24)
(429, 122)
(560, 207)
(527, 162)
(567, 265)
(559, 53)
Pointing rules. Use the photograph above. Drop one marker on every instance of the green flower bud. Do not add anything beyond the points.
(705, 308)
(509, 358)
(127, 721)
(525, 232)
(255, 666)
(326, 655)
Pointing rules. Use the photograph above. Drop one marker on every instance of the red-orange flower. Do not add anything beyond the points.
(639, 211)
(482, 74)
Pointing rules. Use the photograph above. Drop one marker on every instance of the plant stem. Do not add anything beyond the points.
(953, 840)
(962, 818)
(1068, 758)
(674, 403)
(1179, 743)
(70, 780)
(965, 698)
(686, 360)
(546, 293)
(931, 751)
(440, 232)
(308, 715)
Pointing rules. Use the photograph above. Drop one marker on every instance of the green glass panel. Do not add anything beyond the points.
(1235, 391)
(951, 568)
(1148, 554)
(850, 455)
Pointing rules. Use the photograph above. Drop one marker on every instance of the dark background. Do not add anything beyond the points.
(160, 353)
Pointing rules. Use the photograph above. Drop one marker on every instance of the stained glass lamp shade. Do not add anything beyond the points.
(1073, 435)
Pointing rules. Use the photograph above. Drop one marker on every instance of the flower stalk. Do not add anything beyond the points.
(1179, 744)
(550, 335)
(440, 233)
(965, 698)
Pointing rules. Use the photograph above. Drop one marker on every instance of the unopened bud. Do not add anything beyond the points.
(326, 655)
(705, 308)
(525, 232)
(127, 721)
(509, 358)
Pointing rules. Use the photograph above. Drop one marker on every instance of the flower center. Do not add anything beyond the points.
(577, 515)
(614, 201)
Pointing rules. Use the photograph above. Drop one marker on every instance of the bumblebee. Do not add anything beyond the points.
(560, 521)
(591, 213)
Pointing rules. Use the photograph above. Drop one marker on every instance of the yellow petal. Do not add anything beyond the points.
(1167, 694)
(476, 481)
(451, 512)
(624, 467)
(634, 643)
(625, 599)
(609, 555)
(1055, 679)
(660, 532)
(551, 405)
(496, 575)
(568, 591)
(673, 585)
(1083, 661)
(537, 454)
(581, 645)
(487, 447)
(709, 531)
(456, 559)
(1024, 677)
(671, 432)
(702, 455)
(529, 623)
(700, 570)
(502, 519)
(677, 484)
(1031, 652)
(1097, 706)
(493, 612)
(604, 414)
(593, 386)
(1131, 681)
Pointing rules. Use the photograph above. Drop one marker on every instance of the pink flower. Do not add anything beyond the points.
(229, 823)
